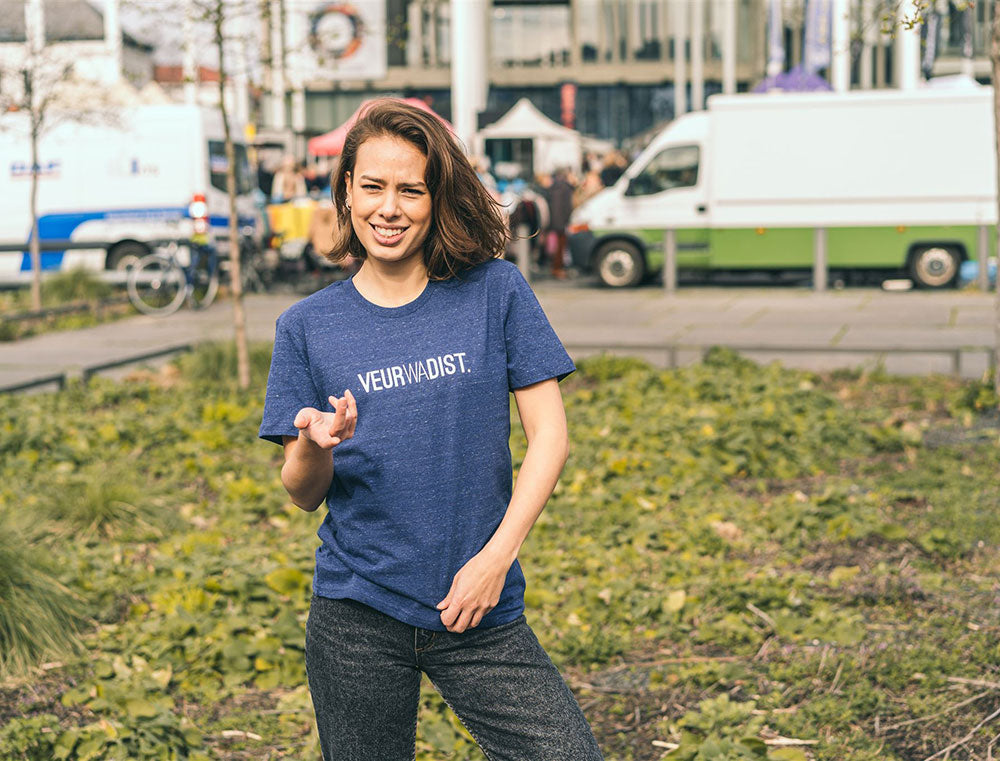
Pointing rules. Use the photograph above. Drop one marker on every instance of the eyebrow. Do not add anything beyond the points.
(402, 184)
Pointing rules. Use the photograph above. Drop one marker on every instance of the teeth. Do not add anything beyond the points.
(389, 232)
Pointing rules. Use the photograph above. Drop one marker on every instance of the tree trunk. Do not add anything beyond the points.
(995, 63)
(34, 245)
(235, 271)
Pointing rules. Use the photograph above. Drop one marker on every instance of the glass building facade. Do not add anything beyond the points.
(619, 56)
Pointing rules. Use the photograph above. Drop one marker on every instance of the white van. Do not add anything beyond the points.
(126, 184)
(901, 181)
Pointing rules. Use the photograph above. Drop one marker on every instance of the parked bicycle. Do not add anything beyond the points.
(257, 274)
(158, 283)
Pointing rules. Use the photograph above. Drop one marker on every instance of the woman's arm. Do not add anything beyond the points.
(543, 418)
(476, 588)
(308, 469)
(307, 472)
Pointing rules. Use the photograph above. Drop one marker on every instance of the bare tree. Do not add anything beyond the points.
(216, 12)
(43, 93)
(213, 23)
(995, 68)
(220, 16)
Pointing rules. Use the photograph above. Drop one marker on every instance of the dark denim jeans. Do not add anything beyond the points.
(365, 668)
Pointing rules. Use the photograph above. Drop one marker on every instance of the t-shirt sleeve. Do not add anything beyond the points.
(290, 386)
(534, 351)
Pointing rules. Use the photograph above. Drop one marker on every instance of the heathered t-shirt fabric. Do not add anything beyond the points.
(426, 479)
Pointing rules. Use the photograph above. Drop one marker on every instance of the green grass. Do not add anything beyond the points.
(67, 287)
(72, 286)
(734, 553)
(97, 503)
(40, 616)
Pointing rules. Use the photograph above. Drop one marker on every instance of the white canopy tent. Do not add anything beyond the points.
(553, 146)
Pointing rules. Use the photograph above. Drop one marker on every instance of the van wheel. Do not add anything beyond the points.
(620, 264)
(124, 255)
(934, 266)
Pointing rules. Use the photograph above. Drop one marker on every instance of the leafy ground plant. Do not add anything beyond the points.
(73, 286)
(739, 562)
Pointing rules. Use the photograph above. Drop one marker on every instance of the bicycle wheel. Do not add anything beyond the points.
(156, 285)
(250, 261)
(204, 275)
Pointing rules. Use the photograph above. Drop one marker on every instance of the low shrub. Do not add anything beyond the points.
(214, 363)
(40, 617)
(71, 285)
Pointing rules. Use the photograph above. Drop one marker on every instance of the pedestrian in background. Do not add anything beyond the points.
(390, 394)
(560, 199)
(288, 182)
(529, 214)
(589, 187)
(482, 166)
(317, 178)
(265, 176)
(614, 167)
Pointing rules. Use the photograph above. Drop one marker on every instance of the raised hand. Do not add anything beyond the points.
(327, 429)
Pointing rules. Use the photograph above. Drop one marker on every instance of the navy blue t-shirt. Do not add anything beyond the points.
(426, 478)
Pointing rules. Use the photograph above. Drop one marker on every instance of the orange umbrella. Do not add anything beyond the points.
(332, 143)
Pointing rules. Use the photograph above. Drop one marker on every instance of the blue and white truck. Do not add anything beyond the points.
(125, 184)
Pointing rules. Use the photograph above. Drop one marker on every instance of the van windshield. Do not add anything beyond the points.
(675, 167)
(218, 165)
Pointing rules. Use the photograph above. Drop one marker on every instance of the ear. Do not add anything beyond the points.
(347, 187)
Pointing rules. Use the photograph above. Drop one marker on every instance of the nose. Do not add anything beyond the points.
(389, 207)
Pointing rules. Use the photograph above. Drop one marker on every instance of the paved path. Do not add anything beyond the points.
(910, 332)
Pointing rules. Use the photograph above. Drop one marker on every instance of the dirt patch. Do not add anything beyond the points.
(982, 429)
(42, 693)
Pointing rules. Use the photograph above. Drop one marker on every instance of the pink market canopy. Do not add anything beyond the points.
(332, 143)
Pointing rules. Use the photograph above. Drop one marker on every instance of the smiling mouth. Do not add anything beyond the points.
(389, 234)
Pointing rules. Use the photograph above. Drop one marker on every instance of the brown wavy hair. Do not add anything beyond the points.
(467, 226)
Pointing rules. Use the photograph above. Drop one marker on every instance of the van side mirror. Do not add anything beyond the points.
(637, 186)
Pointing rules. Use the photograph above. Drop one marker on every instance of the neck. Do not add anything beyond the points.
(391, 285)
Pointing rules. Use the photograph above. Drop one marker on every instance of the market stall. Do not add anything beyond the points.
(527, 142)
(332, 143)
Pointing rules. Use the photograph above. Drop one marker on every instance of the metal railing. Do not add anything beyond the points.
(86, 373)
(97, 307)
(672, 353)
(54, 245)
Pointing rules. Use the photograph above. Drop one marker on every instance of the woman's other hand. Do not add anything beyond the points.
(475, 591)
(327, 429)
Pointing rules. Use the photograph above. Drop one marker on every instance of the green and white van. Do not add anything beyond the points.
(902, 182)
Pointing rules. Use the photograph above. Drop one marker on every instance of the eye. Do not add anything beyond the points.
(413, 192)
(369, 186)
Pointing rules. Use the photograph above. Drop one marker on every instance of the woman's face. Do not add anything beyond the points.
(390, 204)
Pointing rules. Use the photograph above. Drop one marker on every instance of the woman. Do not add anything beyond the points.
(560, 198)
(389, 392)
(288, 183)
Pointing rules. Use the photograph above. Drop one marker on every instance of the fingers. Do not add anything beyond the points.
(339, 416)
(352, 413)
(463, 622)
(443, 605)
(304, 417)
(457, 617)
(345, 417)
